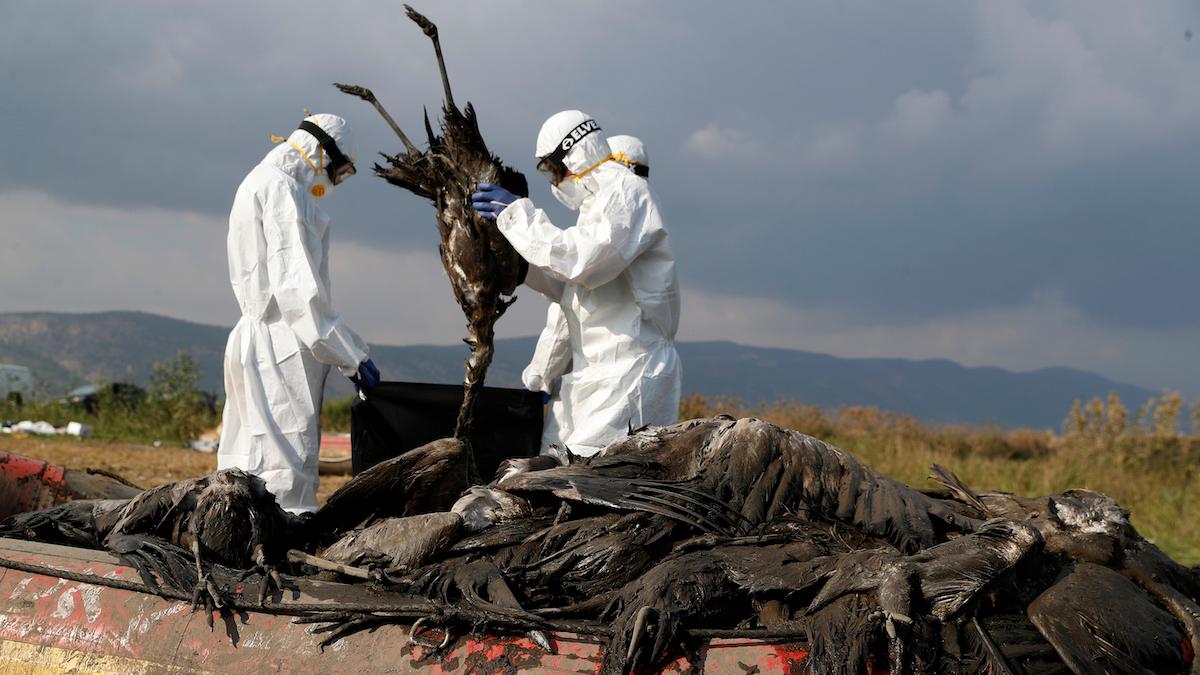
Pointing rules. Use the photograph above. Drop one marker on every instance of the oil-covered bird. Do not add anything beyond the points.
(484, 269)
(227, 520)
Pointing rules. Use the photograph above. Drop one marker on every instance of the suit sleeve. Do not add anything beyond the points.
(552, 356)
(607, 238)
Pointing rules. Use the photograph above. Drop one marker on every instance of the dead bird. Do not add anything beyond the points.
(484, 269)
(82, 522)
(555, 456)
(410, 541)
(423, 480)
(482, 507)
(397, 543)
(228, 517)
(1084, 527)
(1100, 621)
(728, 475)
(648, 613)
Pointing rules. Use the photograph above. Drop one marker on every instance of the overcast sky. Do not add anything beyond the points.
(999, 183)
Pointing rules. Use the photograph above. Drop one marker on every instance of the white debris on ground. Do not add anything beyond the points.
(44, 428)
(207, 442)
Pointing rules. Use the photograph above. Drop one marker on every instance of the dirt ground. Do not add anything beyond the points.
(143, 465)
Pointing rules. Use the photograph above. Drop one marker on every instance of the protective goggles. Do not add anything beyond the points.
(551, 166)
(553, 169)
(340, 167)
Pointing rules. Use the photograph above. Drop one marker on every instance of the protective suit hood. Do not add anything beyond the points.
(577, 137)
(630, 151)
(300, 155)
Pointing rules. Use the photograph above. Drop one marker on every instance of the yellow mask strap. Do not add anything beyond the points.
(581, 174)
(307, 159)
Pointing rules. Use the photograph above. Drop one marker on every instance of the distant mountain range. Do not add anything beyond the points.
(66, 350)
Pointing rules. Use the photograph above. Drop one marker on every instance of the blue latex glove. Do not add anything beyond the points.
(490, 200)
(545, 396)
(367, 377)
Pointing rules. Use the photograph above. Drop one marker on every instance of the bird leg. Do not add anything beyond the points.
(205, 589)
(482, 350)
(563, 515)
(895, 596)
(329, 566)
(644, 627)
(271, 579)
(431, 30)
(369, 96)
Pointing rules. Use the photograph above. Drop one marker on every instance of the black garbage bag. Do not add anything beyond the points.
(400, 416)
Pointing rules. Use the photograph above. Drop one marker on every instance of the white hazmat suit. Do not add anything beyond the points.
(552, 355)
(280, 351)
(612, 277)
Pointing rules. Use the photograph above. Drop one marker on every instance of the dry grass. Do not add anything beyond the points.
(144, 465)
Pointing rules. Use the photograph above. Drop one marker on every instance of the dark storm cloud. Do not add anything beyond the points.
(887, 165)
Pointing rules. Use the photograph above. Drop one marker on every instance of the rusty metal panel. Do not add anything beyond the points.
(51, 623)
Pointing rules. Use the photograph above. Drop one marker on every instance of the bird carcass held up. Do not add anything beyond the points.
(484, 269)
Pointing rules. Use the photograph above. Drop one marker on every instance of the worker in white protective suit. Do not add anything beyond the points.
(613, 279)
(552, 355)
(280, 351)
(630, 151)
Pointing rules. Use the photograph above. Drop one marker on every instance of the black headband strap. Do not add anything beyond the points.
(641, 170)
(575, 135)
(327, 143)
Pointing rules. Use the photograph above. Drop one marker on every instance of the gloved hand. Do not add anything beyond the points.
(545, 396)
(490, 200)
(367, 377)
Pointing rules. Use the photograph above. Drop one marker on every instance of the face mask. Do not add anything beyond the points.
(571, 193)
(321, 187)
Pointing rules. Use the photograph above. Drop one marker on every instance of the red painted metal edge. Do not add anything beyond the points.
(47, 621)
(27, 484)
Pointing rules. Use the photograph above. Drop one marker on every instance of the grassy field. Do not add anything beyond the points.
(1141, 459)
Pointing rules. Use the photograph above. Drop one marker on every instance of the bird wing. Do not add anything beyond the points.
(1099, 621)
(673, 499)
(422, 480)
(71, 524)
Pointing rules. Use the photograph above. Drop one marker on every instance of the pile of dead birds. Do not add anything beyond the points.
(707, 524)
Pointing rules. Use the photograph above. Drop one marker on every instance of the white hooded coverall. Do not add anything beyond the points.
(612, 278)
(552, 355)
(280, 351)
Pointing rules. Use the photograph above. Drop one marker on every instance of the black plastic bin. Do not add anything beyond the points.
(400, 416)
